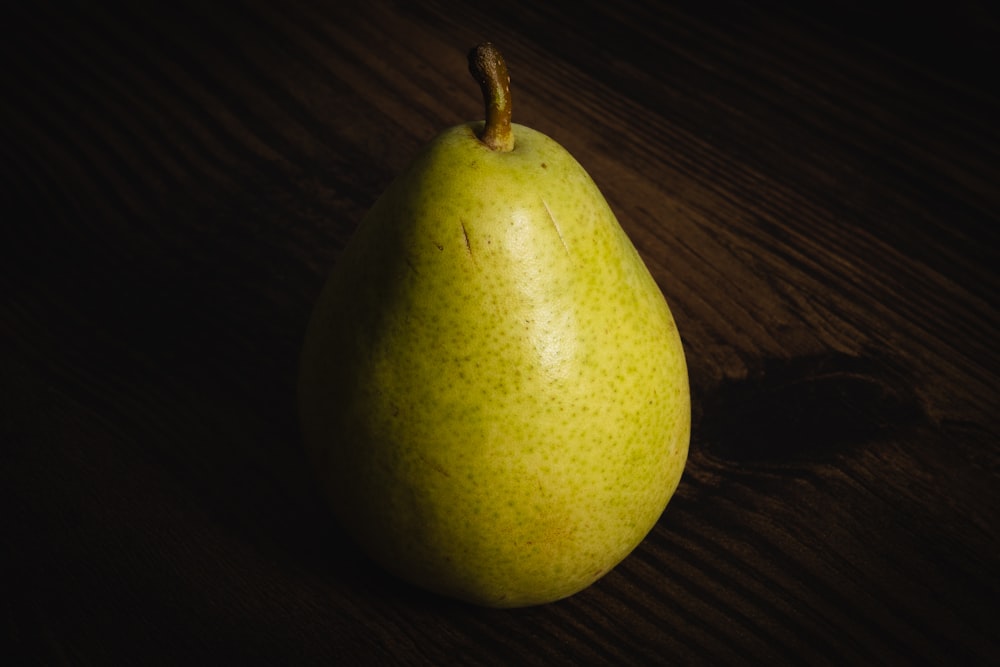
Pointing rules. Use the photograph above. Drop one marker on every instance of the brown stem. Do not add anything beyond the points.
(489, 69)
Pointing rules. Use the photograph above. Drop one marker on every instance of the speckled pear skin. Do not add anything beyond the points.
(492, 386)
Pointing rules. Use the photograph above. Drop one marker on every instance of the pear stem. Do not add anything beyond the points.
(488, 68)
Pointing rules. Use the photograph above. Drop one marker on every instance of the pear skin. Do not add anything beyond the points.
(492, 388)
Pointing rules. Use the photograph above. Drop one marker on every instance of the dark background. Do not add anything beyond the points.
(815, 191)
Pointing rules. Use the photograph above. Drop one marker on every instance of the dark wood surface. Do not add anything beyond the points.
(816, 192)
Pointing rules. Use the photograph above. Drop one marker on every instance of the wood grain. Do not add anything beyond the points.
(815, 191)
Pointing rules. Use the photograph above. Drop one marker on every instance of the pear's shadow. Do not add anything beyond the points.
(807, 409)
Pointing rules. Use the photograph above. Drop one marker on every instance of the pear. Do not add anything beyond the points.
(492, 387)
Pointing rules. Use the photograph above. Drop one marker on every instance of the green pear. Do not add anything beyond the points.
(492, 387)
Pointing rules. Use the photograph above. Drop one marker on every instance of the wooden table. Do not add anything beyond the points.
(816, 192)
